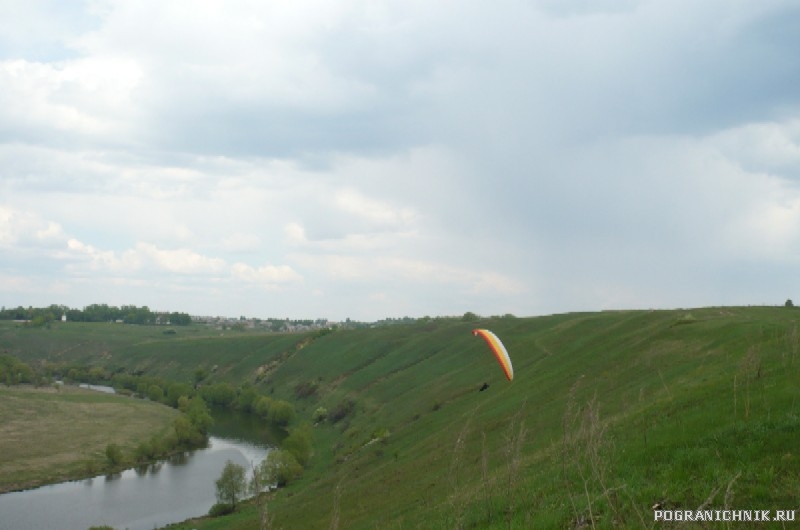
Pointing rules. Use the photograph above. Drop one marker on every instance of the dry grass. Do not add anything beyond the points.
(51, 435)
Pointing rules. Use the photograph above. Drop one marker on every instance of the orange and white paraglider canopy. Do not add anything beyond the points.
(498, 350)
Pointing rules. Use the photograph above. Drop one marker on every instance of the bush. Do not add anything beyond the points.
(298, 443)
(279, 468)
(305, 389)
(342, 410)
(221, 508)
(281, 413)
(113, 455)
(319, 415)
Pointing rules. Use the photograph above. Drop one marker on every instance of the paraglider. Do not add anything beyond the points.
(498, 350)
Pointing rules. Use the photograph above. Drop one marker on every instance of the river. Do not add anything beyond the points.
(167, 492)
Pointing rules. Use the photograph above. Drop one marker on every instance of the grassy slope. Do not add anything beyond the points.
(608, 414)
(49, 436)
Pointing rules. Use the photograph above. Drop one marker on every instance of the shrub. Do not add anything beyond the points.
(113, 455)
(299, 444)
(279, 468)
(305, 389)
(342, 410)
(221, 508)
(280, 413)
(319, 415)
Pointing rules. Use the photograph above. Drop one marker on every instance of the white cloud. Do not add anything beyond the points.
(89, 96)
(239, 242)
(183, 261)
(266, 275)
(765, 146)
(390, 157)
(27, 229)
(353, 202)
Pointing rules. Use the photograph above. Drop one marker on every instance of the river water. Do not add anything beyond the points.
(168, 492)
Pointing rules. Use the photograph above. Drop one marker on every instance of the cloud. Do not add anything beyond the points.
(27, 229)
(372, 211)
(267, 275)
(392, 158)
(763, 146)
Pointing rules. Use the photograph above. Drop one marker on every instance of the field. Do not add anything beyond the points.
(51, 435)
(609, 414)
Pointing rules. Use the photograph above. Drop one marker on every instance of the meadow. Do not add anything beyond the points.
(54, 434)
(609, 414)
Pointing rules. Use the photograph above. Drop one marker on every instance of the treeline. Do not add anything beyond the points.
(128, 314)
(223, 395)
(15, 372)
(245, 398)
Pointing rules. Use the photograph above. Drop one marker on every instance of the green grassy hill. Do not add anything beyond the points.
(608, 414)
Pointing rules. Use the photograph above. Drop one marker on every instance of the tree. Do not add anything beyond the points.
(199, 415)
(279, 468)
(232, 484)
(299, 444)
(469, 316)
(257, 487)
(280, 412)
(155, 393)
(176, 390)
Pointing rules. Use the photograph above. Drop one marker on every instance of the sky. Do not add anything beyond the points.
(381, 159)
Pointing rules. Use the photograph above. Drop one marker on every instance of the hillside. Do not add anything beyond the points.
(609, 413)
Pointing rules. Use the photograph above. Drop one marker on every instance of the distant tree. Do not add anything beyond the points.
(200, 373)
(299, 444)
(232, 484)
(155, 393)
(176, 390)
(279, 468)
(15, 372)
(469, 316)
(199, 415)
(257, 487)
(180, 319)
(280, 413)
(247, 397)
(261, 406)
(789, 303)
(219, 394)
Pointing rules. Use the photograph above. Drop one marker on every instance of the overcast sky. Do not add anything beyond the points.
(372, 159)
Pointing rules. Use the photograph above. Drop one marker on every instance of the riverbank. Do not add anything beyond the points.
(54, 434)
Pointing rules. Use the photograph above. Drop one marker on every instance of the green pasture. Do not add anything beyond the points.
(609, 414)
(54, 434)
